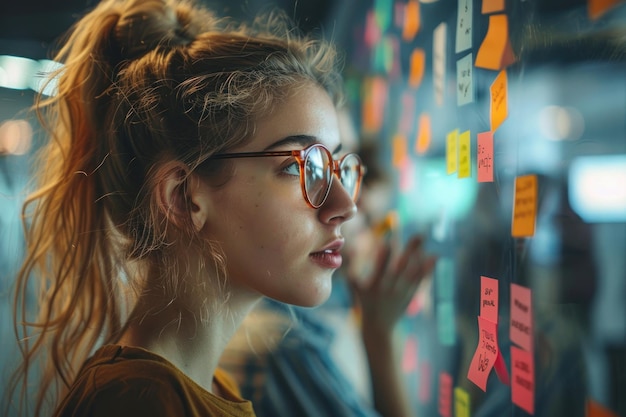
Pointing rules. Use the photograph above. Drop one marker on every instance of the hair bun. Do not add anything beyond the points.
(147, 24)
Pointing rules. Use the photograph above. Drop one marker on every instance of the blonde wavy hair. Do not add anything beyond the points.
(142, 82)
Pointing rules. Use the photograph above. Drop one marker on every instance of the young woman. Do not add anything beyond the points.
(191, 170)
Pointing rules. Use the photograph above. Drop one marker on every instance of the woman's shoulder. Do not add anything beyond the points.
(129, 381)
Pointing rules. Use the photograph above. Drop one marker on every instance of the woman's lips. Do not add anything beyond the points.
(328, 258)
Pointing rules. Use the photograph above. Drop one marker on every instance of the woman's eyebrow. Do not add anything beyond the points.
(301, 141)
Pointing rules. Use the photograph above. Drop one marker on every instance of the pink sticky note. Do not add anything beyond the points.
(501, 371)
(484, 154)
(521, 331)
(445, 394)
(485, 355)
(409, 357)
(523, 379)
(489, 299)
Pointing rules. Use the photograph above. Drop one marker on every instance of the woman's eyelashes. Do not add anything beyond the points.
(292, 168)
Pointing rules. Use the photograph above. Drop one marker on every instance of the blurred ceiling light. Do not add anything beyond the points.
(16, 137)
(17, 72)
(561, 123)
(596, 188)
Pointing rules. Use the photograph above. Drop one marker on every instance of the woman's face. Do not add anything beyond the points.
(276, 244)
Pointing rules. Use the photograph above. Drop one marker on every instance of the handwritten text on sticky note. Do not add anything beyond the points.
(464, 26)
(461, 403)
(464, 80)
(489, 299)
(521, 331)
(499, 102)
(484, 156)
(524, 206)
(445, 394)
(465, 161)
(452, 145)
(485, 355)
(523, 379)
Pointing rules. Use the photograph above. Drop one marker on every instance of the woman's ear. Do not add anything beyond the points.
(182, 196)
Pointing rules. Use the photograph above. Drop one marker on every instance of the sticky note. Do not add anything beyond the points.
(417, 64)
(409, 356)
(424, 134)
(490, 6)
(501, 371)
(465, 161)
(445, 394)
(484, 156)
(486, 353)
(521, 330)
(412, 20)
(464, 80)
(461, 403)
(594, 409)
(452, 145)
(446, 323)
(597, 8)
(464, 26)
(383, 9)
(495, 52)
(499, 109)
(523, 379)
(439, 62)
(489, 299)
(375, 92)
(372, 31)
(524, 206)
(399, 150)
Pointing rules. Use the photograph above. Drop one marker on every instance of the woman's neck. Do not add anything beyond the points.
(192, 341)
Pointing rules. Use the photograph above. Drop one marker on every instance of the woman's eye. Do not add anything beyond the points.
(292, 169)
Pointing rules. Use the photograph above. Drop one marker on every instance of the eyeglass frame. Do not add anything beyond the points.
(300, 156)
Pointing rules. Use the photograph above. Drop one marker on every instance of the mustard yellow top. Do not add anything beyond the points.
(128, 381)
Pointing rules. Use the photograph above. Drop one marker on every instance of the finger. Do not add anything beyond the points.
(383, 258)
(412, 249)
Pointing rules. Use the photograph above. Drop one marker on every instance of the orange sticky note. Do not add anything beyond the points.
(496, 52)
(452, 144)
(490, 6)
(465, 162)
(417, 63)
(411, 20)
(499, 108)
(484, 156)
(594, 409)
(485, 355)
(521, 331)
(399, 150)
(596, 8)
(524, 206)
(489, 298)
(461, 403)
(523, 379)
(374, 101)
(424, 134)
(445, 394)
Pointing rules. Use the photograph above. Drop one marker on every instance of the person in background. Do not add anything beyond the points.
(341, 358)
(193, 169)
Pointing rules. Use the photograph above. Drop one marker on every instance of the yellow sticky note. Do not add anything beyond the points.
(400, 150)
(411, 20)
(416, 67)
(496, 52)
(524, 206)
(461, 403)
(490, 6)
(424, 133)
(465, 163)
(499, 100)
(452, 145)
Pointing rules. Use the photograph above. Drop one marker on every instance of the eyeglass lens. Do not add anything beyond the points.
(318, 174)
